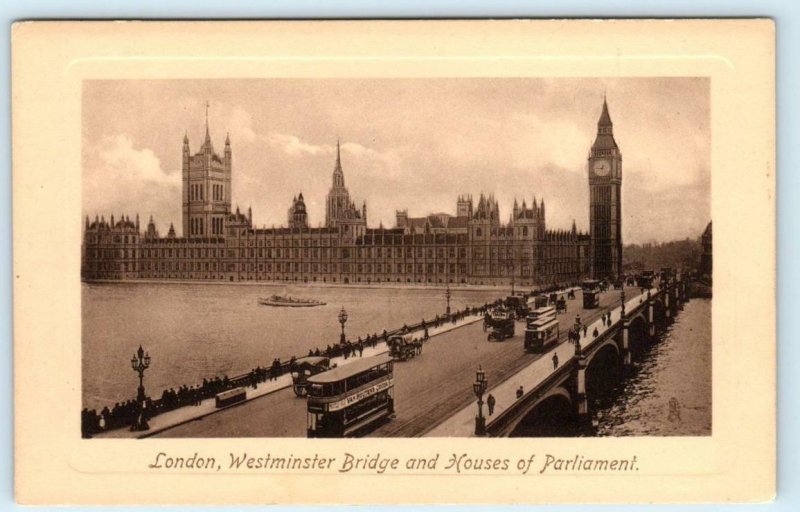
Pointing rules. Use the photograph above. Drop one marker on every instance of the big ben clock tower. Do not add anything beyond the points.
(605, 201)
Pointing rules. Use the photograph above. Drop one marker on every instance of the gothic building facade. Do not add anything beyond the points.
(474, 246)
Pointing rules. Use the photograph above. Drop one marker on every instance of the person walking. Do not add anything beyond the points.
(490, 403)
(520, 392)
(555, 361)
(585, 328)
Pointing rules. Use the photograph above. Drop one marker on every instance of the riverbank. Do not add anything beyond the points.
(504, 288)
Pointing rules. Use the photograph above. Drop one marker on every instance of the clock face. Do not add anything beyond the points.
(602, 168)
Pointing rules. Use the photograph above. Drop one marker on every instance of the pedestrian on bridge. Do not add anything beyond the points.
(520, 392)
(490, 403)
(585, 328)
(595, 333)
(555, 361)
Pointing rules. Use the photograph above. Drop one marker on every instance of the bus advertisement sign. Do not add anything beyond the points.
(361, 395)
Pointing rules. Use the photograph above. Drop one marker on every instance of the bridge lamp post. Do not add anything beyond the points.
(578, 331)
(139, 363)
(343, 320)
(511, 266)
(447, 296)
(479, 387)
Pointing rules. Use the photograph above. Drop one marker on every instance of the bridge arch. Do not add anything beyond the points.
(548, 417)
(603, 372)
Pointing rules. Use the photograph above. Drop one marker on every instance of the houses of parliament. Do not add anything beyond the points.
(474, 246)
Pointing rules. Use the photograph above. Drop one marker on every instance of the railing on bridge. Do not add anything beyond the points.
(572, 371)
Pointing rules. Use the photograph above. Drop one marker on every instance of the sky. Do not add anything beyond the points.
(411, 144)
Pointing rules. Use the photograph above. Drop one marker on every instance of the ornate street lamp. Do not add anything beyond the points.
(139, 363)
(447, 296)
(479, 387)
(343, 320)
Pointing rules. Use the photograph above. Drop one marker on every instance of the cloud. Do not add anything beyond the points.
(117, 159)
(292, 144)
(139, 184)
(548, 141)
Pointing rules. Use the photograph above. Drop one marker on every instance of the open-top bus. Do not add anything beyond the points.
(591, 293)
(346, 400)
(540, 334)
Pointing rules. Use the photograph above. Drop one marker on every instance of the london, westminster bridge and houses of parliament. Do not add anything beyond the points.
(471, 247)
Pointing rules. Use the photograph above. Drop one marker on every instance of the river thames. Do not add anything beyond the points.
(670, 392)
(193, 331)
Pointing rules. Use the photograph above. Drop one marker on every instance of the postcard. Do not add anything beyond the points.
(431, 261)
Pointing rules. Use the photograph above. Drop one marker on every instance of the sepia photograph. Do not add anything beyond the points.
(396, 257)
(513, 261)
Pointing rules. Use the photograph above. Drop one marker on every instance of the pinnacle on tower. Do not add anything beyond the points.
(228, 139)
(338, 157)
(208, 136)
(186, 137)
(605, 118)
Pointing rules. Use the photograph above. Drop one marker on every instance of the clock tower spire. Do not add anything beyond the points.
(605, 201)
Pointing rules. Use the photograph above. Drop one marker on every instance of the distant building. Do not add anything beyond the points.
(473, 246)
(706, 260)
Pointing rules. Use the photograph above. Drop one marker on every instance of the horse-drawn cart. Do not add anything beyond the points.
(403, 348)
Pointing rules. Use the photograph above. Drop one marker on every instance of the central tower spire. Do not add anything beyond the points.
(338, 174)
(208, 136)
(338, 158)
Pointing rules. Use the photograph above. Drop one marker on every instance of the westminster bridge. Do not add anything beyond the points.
(558, 388)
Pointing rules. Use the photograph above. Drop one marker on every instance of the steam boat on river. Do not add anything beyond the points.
(289, 302)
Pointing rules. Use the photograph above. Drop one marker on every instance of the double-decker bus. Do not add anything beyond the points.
(541, 333)
(591, 293)
(345, 401)
(645, 279)
(543, 312)
(541, 329)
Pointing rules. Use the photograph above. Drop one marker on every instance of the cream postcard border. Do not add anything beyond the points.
(50, 60)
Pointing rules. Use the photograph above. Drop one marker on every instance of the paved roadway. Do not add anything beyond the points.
(428, 389)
